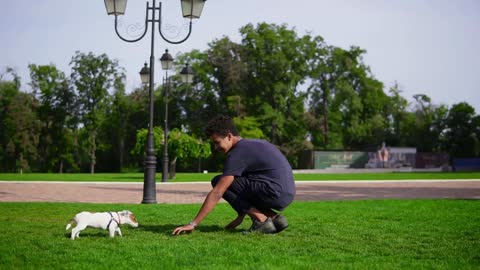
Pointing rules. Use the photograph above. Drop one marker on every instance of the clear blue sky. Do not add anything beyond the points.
(427, 46)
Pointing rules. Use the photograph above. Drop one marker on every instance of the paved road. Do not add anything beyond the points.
(179, 193)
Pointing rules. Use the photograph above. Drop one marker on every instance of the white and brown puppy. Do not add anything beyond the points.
(110, 221)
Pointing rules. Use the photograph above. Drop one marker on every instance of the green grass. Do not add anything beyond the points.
(371, 234)
(193, 177)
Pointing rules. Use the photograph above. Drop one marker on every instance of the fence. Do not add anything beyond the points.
(391, 157)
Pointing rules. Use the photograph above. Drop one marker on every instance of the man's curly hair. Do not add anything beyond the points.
(221, 125)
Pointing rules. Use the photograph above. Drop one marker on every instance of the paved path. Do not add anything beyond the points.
(179, 193)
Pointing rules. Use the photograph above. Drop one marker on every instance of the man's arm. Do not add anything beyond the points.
(208, 204)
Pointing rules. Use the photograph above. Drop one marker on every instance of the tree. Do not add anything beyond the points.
(365, 103)
(229, 70)
(322, 118)
(93, 76)
(278, 62)
(22, 128)
(461, 133)
(185, 148)
(397, 107)
(426, 131)
(141, 140)
(347, 104)
(19, 126)
(115, 129)
(9, 89)
(476, 127)
(181, 146)
(56, 107)
(249, 127)
(219, 76)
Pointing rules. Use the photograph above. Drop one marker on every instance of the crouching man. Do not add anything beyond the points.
(257, 180)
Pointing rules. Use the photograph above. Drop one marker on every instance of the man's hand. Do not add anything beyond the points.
(232, 225)
(184, 228)
(208, 204)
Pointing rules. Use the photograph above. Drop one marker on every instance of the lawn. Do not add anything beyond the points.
(194, 177)
(370, 234)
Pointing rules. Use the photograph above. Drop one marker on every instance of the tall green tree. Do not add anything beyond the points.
(278, 61)
(398, 131)
(219, 76)
(368, 107)
(116, 128)
(323, 117)
(93, 76)
(9, 89)
(347, 105)
(461, 131)
(228, 71)
(427, 130)
(56, 107)
(138, 116)
(22, 126)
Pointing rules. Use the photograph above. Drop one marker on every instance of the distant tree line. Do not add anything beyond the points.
(295, 91)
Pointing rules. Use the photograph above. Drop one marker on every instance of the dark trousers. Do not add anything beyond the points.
(244, 194)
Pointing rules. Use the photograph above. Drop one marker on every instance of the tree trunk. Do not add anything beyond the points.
(76, 155)
(173, 169)
(120, 154)
(60, 170)
(325, 120)
(92, 151)
(21, 163)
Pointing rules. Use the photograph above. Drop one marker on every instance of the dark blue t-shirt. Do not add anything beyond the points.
(259, 160)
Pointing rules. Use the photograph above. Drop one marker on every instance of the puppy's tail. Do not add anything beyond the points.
(69, 224)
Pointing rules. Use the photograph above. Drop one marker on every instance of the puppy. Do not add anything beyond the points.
(110, 221)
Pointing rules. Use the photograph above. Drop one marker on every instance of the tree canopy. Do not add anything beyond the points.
(296, 91)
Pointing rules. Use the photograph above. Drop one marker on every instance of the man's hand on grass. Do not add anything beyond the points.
(184, 228)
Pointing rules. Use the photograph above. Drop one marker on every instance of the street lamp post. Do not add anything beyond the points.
(167, 63)
(187, 74)
(191, 9)
(186, 77)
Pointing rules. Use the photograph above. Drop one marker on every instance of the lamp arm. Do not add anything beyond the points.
(133, 40)
(160, 28)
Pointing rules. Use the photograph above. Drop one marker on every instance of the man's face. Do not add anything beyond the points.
(222, 143)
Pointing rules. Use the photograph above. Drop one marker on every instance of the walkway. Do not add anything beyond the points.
(181, 193)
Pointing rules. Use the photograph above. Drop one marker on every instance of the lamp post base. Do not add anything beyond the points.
(149, 201)
(149, 190)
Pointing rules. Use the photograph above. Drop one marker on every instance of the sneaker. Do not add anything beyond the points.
(266, 227)
(280, 223)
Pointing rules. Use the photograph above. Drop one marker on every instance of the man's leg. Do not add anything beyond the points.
(239, 196)
(255, 199)
(235, 194)
(266, 201)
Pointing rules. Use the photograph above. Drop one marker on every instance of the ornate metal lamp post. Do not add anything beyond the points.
(186, 77)
(191, 9)
(167, 64)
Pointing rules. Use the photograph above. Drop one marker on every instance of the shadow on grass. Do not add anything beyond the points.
(91, 234)
(167, 229)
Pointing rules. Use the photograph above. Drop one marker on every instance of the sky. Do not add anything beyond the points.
(426, 46)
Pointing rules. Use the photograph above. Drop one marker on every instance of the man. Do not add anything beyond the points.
(257, 180)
